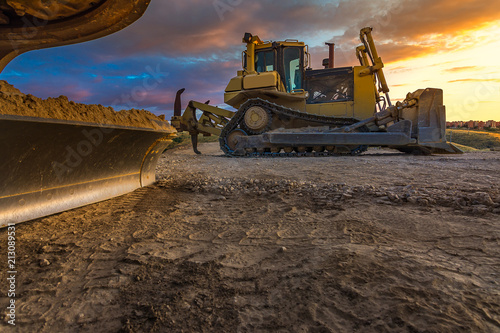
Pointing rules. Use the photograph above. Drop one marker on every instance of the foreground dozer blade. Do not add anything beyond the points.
(49, 166)
(31, 25)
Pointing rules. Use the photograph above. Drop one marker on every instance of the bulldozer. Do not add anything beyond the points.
(52, 165)
(286, 108)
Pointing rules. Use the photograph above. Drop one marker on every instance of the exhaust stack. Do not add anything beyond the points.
(330, 61)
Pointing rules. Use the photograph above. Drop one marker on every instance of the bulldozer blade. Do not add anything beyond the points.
(429, 122)
(48, 166)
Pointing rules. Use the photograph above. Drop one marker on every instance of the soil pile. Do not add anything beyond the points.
(14, 102)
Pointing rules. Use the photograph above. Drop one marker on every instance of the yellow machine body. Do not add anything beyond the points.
(269, 85)
(285, 105)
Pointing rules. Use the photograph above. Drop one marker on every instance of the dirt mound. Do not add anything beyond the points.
(14, 102)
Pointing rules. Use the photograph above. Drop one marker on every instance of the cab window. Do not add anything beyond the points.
(292, 66)
(264, 61)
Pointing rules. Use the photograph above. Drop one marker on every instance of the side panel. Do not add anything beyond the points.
(48, 167)
(260, 80)
(338, 109)
(341, 92)
(330, 85)
(364, 95)
(331, 92)
(235, 84)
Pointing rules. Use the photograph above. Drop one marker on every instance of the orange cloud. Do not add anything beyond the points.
(396, 52)
(400, 69)
(463, 69)
(434, 25)
(475, 80)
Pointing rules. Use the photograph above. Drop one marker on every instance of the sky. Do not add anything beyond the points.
(197, 45)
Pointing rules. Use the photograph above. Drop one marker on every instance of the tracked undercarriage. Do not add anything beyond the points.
(257, 117)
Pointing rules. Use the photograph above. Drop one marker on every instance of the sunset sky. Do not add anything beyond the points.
(196, 44)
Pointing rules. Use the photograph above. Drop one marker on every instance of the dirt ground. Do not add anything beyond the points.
(383, 242)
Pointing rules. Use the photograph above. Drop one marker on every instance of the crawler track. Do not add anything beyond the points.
(286, 114)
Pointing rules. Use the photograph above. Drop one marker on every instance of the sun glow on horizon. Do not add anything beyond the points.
(464, 67)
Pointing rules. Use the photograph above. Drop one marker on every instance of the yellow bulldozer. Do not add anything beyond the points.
(52, 165)
(286, 108)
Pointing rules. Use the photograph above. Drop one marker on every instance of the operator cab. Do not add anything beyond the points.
(290, 59)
